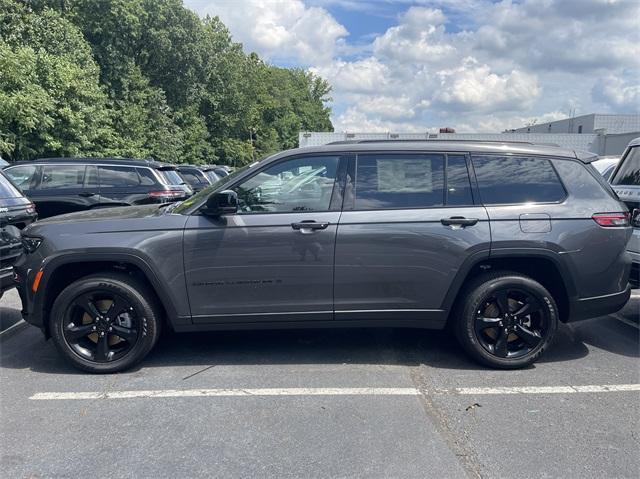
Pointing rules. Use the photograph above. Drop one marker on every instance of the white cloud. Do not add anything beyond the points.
(617, 93)
(475, 65)
(283, 30)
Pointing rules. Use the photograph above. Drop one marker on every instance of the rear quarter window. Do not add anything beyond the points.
(118, 177)
(515, 179)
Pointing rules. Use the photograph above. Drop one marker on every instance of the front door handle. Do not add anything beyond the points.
(86, 194)
(309, 225)
(459, 221)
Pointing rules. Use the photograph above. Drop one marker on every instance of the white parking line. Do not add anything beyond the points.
(181, 393)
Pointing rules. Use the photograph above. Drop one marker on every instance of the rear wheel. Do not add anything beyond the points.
(105, 323)
(506, 320)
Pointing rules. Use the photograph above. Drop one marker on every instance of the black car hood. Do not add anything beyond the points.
(102, 214)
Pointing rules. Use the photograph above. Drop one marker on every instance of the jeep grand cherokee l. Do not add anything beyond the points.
(498, 241)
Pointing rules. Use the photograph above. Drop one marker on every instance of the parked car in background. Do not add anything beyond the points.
(626, 183)
(3, 163)
(362, 234)
(605, 165)
(16, 212)
(65, 185)
(194, 177)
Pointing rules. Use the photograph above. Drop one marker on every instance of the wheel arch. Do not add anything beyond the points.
(544, 266)
(61, 271)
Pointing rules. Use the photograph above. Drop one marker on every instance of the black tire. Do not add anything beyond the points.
(144, 322)
(485, 331)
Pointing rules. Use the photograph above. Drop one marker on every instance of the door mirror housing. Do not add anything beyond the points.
(221, 203)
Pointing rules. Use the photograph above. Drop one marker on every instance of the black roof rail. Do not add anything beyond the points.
(436, 140)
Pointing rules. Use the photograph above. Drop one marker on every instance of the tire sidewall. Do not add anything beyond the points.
(477, 295)
(147, 323)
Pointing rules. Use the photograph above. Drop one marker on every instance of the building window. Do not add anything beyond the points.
(579, 128)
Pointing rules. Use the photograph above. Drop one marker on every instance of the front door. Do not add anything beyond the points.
(273, 260)
(404, 235)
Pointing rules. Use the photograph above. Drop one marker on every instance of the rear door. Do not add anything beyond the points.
(409, 224)
(60, 189)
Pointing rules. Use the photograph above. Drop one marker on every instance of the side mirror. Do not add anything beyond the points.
(222, 203)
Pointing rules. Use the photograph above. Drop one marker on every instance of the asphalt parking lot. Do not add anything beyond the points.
(328, 403)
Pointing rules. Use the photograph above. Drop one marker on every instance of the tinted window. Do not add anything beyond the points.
(212, 176)
(91, 176)
(118, 177)
(629, 172)
(61, 176)
(7, 190)
(146, 177)
(22, 176)
(458, 183)
(191, 178)
(172, 177)
(302, 184)
(511, 180)
(399, 181)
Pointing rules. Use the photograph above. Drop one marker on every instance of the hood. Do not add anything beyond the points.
(102, 214)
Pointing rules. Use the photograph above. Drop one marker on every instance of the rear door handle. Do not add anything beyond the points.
(86, 194)
(459, 221)
(309, 225)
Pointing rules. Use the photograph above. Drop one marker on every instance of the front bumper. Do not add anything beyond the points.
(586, 308)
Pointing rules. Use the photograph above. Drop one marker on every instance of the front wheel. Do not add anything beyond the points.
(506, 320)
(105, 323)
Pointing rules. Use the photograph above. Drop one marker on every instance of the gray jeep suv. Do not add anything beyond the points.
(498, 241)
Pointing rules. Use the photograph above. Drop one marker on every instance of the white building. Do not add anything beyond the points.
(592, 123)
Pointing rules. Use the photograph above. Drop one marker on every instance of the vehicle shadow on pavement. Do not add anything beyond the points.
(384, 347)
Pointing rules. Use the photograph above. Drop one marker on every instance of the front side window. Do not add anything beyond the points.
(399, 181)
(22, 176)
(118, 177)
(629, 172)
(297, 185)
(515, 180)
(62, 176)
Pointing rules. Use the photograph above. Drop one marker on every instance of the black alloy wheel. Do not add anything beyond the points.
(511, 323)
(101, 326)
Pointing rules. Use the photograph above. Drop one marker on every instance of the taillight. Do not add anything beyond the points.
(611, 219)
(168, 194)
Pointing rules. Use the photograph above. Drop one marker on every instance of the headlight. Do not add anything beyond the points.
(31, 243)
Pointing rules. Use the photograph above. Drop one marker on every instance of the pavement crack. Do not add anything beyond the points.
(458, 445)
(198, 372)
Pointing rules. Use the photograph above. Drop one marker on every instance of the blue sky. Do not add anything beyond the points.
(475, 65)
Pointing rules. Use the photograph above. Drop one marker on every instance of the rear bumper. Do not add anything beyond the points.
(587, 308)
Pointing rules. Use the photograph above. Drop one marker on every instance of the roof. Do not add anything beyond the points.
(470, 146)
(95, 161)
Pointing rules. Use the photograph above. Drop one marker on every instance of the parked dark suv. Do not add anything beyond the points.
(194, 177)
(498, 241)
(65, 185)
(16, 212)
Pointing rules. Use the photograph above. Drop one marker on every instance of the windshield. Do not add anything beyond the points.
(202, 194)
(629, 172)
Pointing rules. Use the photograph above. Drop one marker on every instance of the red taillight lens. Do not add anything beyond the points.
(611, 219)
(169, 194)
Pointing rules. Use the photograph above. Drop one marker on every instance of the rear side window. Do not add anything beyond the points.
(192, 178)
(514, 180)
(146, 177)
(118, 177)
(7, 190)
(629, 172)
(22, 176)
(399, 181)
(61, 176)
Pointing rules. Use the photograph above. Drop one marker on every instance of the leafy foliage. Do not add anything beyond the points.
(143, 78)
